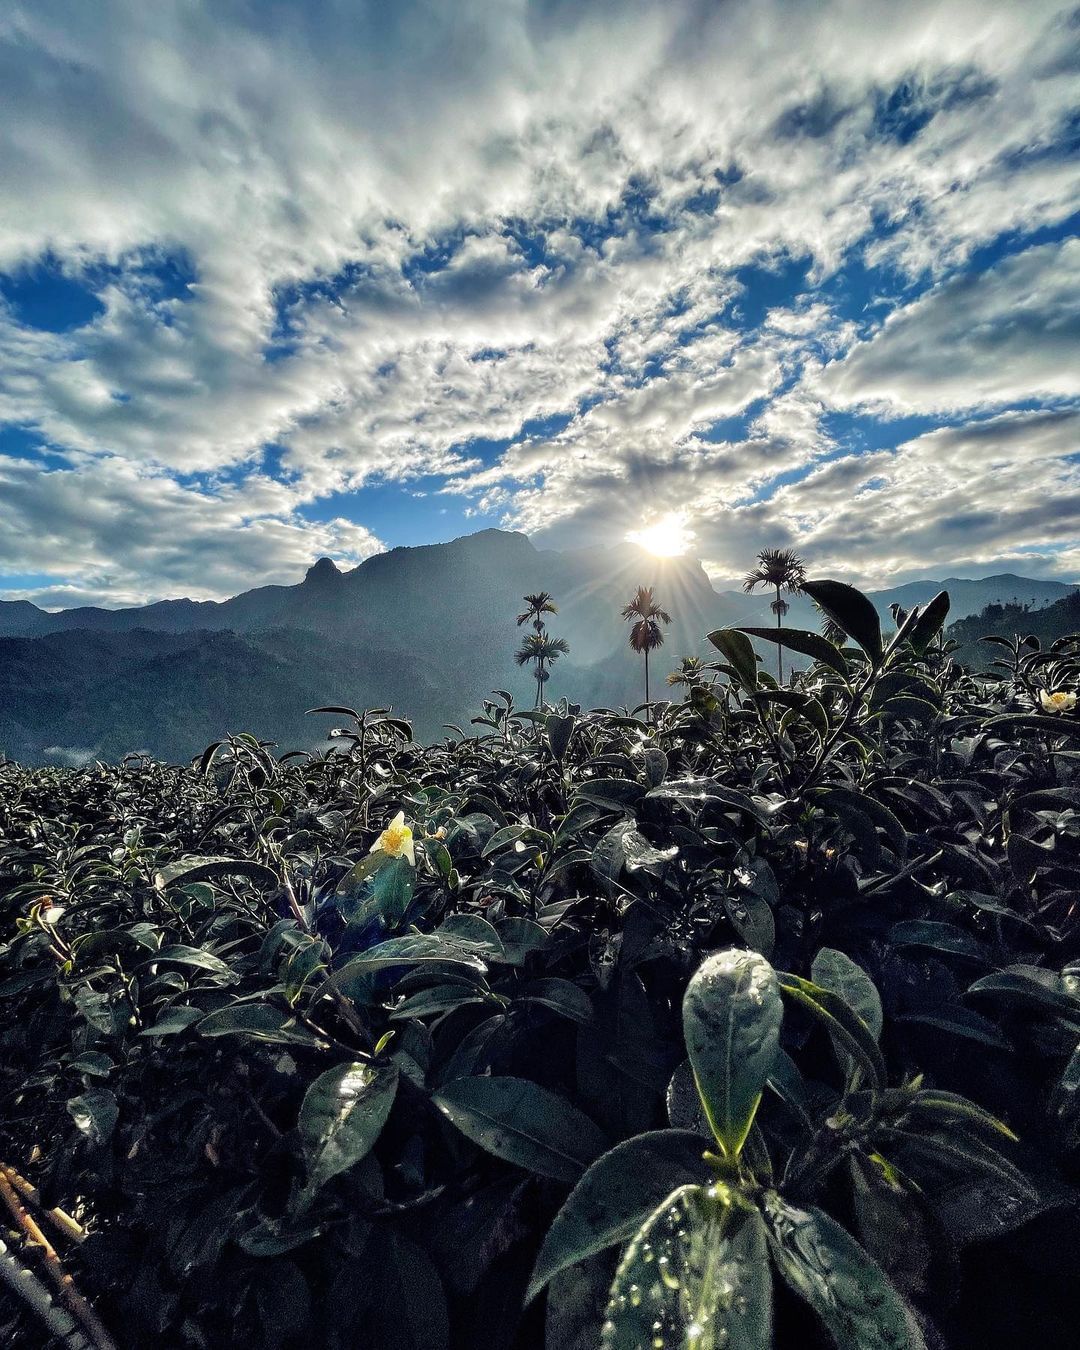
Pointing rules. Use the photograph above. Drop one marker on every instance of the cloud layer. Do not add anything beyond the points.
(353, 275)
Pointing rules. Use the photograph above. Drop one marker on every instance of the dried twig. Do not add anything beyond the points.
(76, 1305)
(26, 1286)
(59, 1218)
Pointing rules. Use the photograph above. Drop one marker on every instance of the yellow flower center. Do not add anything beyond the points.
(1059, 700)
(394, 840)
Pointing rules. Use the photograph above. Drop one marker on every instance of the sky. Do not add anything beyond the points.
(280, 280)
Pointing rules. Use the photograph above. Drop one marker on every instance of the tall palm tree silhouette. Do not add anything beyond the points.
(542, 650)
(538, 605)
(645, 614)
(783, 570)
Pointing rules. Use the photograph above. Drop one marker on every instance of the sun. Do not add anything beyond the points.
(666, 537)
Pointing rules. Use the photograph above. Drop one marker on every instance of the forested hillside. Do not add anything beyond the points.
(427, 630)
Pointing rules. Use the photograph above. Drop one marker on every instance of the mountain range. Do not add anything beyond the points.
(429, 630)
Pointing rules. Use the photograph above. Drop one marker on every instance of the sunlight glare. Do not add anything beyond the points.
(666, 537)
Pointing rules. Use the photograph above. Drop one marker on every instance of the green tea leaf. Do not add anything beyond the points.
(615, 1197)
(851, 610)
(95, 1113)
(615, 794)
(187, 870)
(740, 652)
(342, 1115)
(808, 644)
(172, 1021)
(696, 1277)
(846, 1027)
(258, 1022)
(191, 956)
(833, 970)
(938, 937)
(523, 1123)
(731, 1019)
(559, 731)
(826, 1266)
(418, 949)
(929, 623)
(562, 996)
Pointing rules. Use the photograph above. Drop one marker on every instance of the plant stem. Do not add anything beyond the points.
(63, 1221)
(76, 1305)
(26, 1286)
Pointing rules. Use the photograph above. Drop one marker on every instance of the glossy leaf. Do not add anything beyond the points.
(187, 870)
(929, 623)
(739, 651)
(938, 937)
(258, 1022)
(342, 1115)
(851, 610)
(696, 1277)
(808, 644)
(415, 950)
(95, 1113)
(561, 996)
(731, 1020)
(823, 1264)
(522, 1123)
(846, 1028)
(835, 971)
(616, 1196)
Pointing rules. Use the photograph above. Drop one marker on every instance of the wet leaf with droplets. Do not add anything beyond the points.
(834, 971)
(696, 1277)
(826, 1266)
(342, 1116)
(731, 1019)
(616, 1195)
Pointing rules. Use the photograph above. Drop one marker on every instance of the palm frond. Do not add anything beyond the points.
(646, 635)
(538, 604)
(781, 567)
(644, 605)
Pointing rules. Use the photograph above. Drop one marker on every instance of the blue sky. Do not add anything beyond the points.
(330, 278)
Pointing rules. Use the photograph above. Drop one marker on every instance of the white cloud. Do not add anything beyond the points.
(966, 496)
(1003, 336)
(413, 227)
(109, 527)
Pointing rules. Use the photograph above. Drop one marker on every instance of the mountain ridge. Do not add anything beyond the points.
(431, 629)
(23, 617)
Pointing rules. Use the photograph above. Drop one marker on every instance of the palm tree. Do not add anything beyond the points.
(783, 570)
(646, 635)
(538, 605)
(542, 650)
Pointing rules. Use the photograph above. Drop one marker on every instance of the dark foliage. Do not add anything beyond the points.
(303, 1093)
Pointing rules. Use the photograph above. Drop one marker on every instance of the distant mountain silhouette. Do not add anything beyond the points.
(965, 597)
(430, 630)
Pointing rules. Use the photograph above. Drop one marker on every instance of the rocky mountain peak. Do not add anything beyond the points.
(323, 571)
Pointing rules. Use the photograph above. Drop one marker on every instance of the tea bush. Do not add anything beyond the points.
(746, 1019)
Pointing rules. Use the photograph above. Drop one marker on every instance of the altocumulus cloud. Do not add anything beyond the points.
(319, 278)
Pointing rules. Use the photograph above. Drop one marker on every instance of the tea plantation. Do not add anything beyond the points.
(746, 1019)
